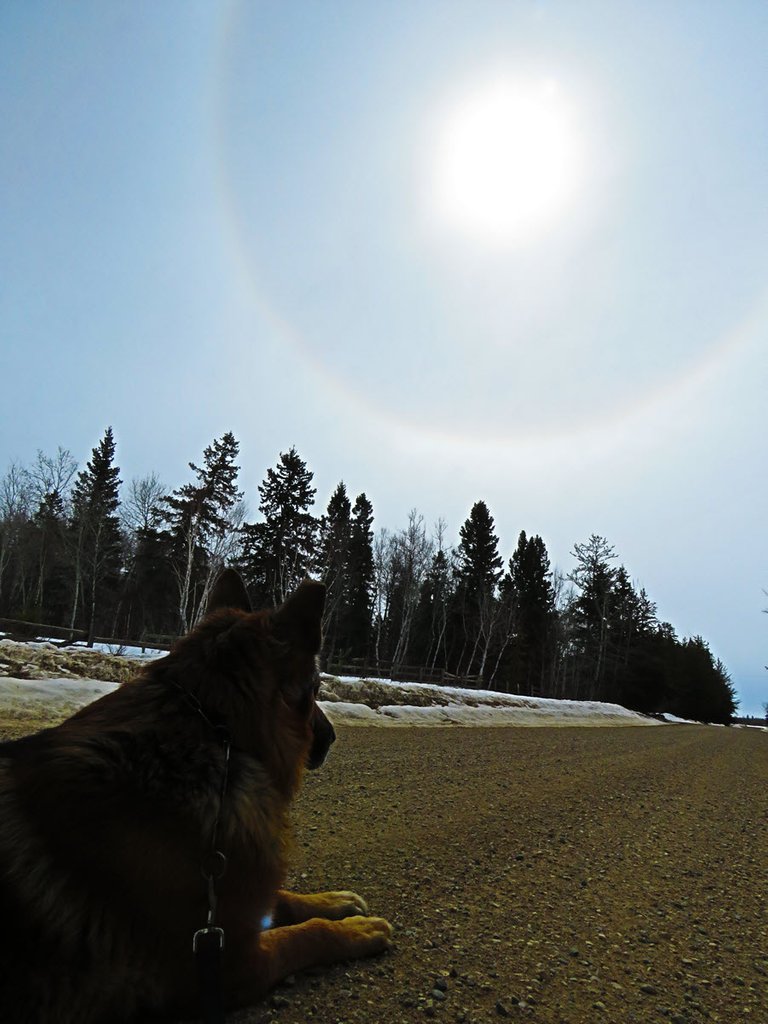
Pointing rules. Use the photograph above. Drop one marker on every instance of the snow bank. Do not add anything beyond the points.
(437, 705)
(536, 713)
(47, 700)
(52, 699)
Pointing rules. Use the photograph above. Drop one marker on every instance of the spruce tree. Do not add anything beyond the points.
(528, 588)
(95, 534)
(281, 550)
(479, 561)
(358, 623)
(333, 566)
(479, 572)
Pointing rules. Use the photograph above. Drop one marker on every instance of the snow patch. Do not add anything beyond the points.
(346, 700)
(47, 700)
(442, 705)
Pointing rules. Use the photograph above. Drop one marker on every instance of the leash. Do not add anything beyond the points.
(208, 942)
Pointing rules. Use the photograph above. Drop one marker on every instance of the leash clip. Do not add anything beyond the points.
(211, 938)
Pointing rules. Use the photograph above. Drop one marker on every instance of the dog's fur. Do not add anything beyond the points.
(105, 821)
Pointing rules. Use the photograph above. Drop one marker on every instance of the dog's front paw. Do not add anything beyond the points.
(365, 936)
(337, 905)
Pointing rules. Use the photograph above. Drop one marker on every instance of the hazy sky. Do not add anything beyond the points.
(449, 250)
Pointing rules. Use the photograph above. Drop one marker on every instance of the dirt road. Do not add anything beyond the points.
(562, 876)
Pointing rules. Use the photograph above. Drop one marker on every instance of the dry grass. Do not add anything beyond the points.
(46, 661)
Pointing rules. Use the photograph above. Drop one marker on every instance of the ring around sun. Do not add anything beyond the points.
(507, 161)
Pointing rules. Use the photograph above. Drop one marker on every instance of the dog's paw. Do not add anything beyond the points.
(337, 905)
(366, 936)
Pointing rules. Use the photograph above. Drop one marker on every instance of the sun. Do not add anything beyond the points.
(506, 161)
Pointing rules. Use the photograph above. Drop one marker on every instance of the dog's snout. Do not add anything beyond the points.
(323, 735)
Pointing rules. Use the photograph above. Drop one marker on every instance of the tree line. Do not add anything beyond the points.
(81, 551)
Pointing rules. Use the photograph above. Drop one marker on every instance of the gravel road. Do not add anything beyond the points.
(562, 876)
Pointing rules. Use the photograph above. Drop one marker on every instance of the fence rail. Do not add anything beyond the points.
(402, 673)
(21, 629)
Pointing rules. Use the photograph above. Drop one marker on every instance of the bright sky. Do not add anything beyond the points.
(513, 251)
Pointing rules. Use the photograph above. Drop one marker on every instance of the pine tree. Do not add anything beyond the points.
(202, 519)
(95, 533)
(281, 550)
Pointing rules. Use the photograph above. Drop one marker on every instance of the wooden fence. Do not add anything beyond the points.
(20, 629)
(402, 673)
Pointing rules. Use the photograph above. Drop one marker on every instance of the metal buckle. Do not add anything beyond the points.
(218, 933)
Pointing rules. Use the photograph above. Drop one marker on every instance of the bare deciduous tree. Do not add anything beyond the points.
(52, 474)
(412, 552)
(16, 499)
(142, 508)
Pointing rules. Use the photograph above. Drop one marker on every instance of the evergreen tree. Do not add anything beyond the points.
(528, 587)
(430, 641)
(95, 534)
(700, 688)
(629, 673)
(356, 633)
(480, 564)
(723, 701)
(649, 676)
(281, 550)
(335, 534)
(200, 518)
(479, 572)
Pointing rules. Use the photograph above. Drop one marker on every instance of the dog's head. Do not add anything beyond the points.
(269, 660)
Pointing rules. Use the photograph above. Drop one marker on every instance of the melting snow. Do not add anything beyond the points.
(52, 698)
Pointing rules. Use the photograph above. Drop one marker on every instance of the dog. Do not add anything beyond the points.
(156, 819)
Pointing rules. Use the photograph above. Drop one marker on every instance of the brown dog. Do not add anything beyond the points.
(162, 809)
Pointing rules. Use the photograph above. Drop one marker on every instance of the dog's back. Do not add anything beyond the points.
(105, 821)
(79, 941)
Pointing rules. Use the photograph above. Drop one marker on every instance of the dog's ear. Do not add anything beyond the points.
(301, 616)
(229, 592)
